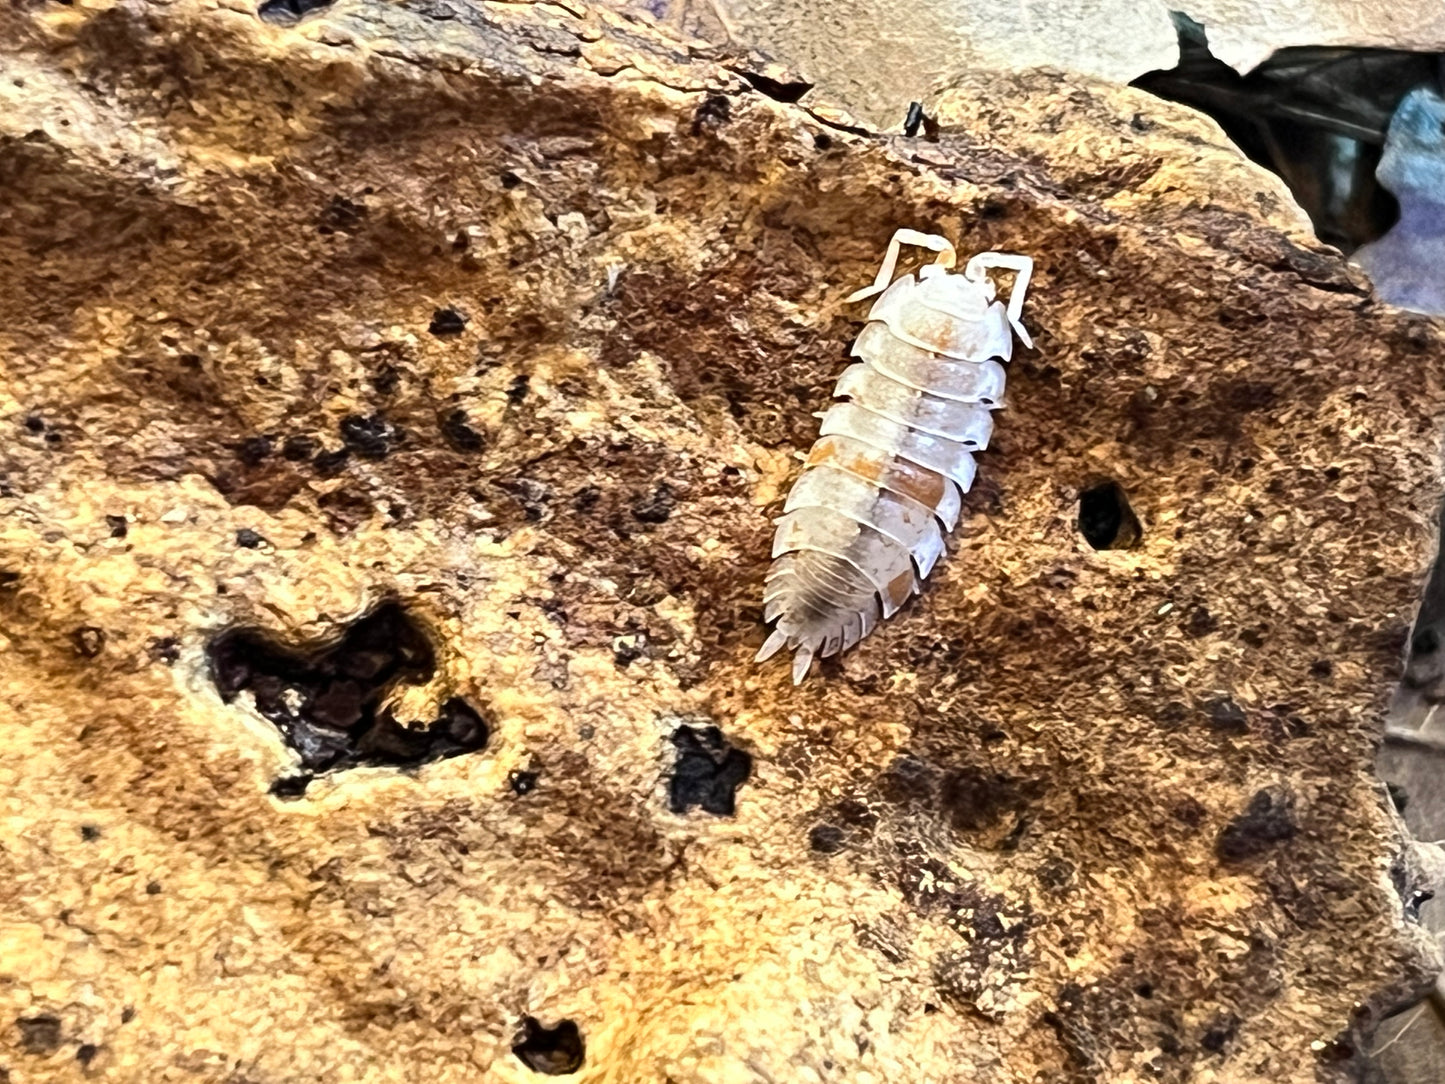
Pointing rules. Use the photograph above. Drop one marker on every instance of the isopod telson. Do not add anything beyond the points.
(864, 524)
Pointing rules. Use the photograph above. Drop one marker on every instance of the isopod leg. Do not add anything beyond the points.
(801, 662)
(775, 642)
(931, 241)
(1023, 266)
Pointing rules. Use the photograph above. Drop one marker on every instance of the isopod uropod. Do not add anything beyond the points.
(864, 523)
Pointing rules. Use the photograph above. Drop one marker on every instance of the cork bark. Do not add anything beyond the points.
(437, 368)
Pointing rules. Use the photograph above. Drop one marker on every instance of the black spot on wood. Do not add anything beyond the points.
(586, 499)
(519, 387)
(299, 448)
(119, 528)
(370, 438)
(1219, 1033)
(35, 424)
(822, 141)
(976, 799)
(39, 1034)
(1225, 716)
(657, 507)
(826, 839)
(1268, 820)
(291, 786)
(1200, 623)
(326, 700)
(459, 434)
(1189, 811)
(254, 450)
(1338, 1049)
(88, 641)
(554, 1051)
(628, 651)
(249, 539)
(509, 179)
(164, 649)
(522, 782)
(1056, 873)
(532, 495)
(330, 463)
(386, 379)
(288, 12)
(1105, 519)
(86, 1053)
(714, 112)
(447, 322)
(89, 832)
(153, 888)
(707, 772)
(856, 814)
(342, 214)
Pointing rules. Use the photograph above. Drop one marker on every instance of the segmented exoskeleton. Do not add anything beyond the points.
(864, 524)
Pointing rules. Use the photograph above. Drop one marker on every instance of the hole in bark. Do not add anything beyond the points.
(1314, 115)
(522, 782)
(447, 322)
(1105, 519)
(88, 641)
(289, 12)
(707, 772)
(326, 699)
(550, 1051)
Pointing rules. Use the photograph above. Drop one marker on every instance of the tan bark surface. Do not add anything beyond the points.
(1071, 815)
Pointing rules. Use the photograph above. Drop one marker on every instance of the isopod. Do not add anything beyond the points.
(864, 524)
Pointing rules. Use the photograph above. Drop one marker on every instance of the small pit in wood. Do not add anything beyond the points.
(1106, 520)
(554, 1051)
(327, 699)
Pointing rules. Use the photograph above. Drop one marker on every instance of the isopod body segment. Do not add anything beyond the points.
(865, 522)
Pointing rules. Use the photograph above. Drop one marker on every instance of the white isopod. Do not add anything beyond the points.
(864, 524)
